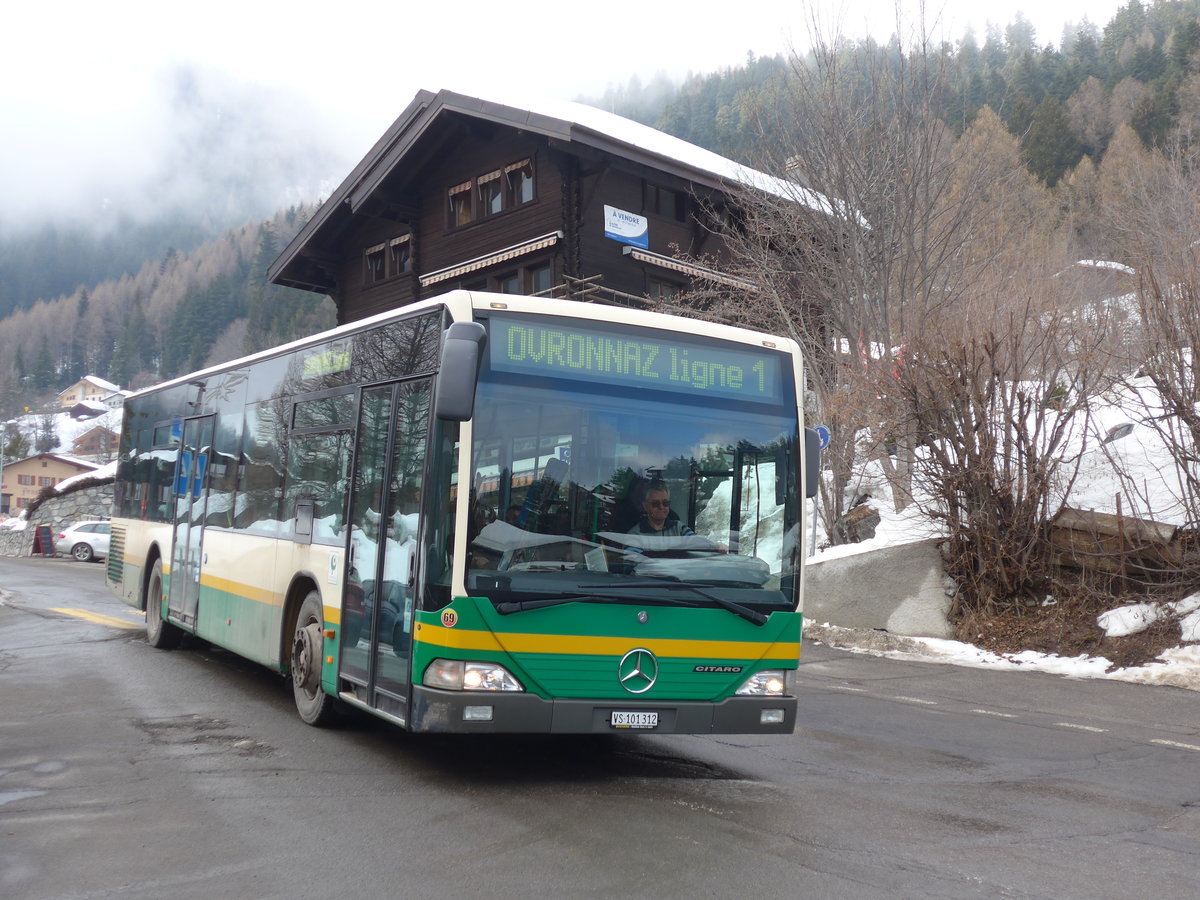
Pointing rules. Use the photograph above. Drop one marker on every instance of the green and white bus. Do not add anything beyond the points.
(485, 512)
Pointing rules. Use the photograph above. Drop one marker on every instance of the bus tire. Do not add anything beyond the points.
(314, 705)
(160, 634)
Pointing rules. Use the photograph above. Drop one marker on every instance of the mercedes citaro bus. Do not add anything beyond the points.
(485, 512)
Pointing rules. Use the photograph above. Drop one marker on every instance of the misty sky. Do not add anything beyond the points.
(91, 97)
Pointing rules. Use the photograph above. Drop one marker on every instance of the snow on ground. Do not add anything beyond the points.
(1138, 450)
(1178, 667)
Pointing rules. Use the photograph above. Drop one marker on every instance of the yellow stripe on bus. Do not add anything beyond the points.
(241, 589)
(589, 645)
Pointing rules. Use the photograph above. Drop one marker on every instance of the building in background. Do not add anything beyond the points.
(25, 478)
(559, 198)
(91, 389)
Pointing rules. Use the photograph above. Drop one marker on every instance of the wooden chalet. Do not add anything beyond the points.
(563, 199)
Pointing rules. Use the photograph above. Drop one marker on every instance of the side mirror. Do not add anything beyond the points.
(462, 355)
(812, 462)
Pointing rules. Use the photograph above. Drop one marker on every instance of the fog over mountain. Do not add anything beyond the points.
(205, 144)
(207, 153)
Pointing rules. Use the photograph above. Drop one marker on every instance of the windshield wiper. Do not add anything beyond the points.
(750, 615)
(512, 606)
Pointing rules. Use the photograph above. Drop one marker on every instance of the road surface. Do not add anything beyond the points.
(135, 773)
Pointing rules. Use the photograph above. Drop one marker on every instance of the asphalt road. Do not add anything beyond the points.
(134, 773)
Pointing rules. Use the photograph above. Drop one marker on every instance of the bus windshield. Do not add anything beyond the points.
(597, 488)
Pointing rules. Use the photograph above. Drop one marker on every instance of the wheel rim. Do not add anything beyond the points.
(306, 668)
(82, 551)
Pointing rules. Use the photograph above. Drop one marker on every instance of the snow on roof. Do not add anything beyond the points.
(100, 383)
(659, 143)
(96, 406)
(1106, 264)
(61, 457)
(95, 381)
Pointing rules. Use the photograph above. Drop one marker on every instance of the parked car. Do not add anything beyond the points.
(85, 541)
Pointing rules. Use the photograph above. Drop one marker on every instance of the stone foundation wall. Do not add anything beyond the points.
(901, 589)
(58, 513)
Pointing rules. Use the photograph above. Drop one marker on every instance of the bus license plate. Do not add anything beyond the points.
(634, 719)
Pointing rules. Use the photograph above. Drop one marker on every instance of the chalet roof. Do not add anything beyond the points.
(92, 431)
(59, 457)
(96, 381)
(565, 122)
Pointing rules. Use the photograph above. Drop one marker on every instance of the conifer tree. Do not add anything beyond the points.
(1049, 147)
(43, 369)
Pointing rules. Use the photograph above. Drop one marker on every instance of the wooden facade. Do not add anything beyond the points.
(464, 193)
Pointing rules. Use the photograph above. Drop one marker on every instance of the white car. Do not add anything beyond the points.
(85, 541)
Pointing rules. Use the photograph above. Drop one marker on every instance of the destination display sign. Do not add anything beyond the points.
(629, 358)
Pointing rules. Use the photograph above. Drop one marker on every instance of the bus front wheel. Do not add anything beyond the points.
(314, 705)
(160, 634)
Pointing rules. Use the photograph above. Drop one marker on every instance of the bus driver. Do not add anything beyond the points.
(656, 513)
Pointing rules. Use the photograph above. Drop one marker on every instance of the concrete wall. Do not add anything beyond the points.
(902, 589)
(58, 513)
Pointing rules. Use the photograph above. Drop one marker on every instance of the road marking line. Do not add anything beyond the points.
(992, 712)
(916, 700)
(1175, 744)
(97, 618)
(842, 687)
(1081, 727)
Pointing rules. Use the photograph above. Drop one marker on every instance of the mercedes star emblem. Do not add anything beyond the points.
(638, 671)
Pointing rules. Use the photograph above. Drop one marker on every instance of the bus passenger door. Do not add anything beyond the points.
(386, 482)
(190, 494)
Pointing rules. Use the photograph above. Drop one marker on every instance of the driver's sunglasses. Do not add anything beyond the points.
(659, 504)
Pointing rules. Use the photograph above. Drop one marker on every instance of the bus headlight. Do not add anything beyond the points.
(457, 675)
(768, 683)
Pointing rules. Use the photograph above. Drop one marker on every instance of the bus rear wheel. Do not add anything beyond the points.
(314, 705)
(160, 634)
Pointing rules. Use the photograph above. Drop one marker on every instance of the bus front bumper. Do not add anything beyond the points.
(433, 710)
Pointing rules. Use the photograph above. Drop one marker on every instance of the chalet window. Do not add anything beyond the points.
(45, 481)
(539, 279)
(525, 280)
(661, 289)
(491, 193)
(25, 479)
(461, 209)
(661, 201)
(376, 263)
(400, 255)
(519, 182)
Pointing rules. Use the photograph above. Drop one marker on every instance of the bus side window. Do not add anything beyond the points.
(261, 480)
(318, 468)
(223, 471)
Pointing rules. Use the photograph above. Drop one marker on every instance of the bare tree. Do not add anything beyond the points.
(918, 272)
(880, 224)
(1150, 204)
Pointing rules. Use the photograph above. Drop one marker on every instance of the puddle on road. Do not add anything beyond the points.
(199, 732)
